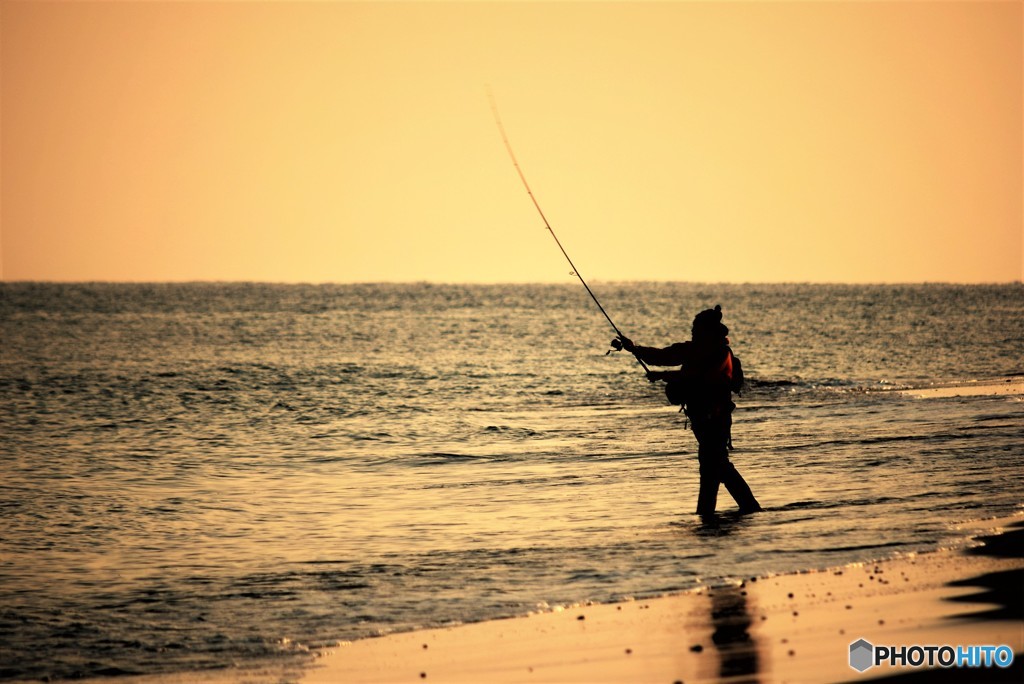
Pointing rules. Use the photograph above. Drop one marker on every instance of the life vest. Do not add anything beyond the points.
(712, 386)
(734, 372)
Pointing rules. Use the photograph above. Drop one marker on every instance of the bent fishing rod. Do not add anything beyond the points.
(575, 271)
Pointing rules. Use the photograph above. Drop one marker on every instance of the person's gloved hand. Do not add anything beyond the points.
(626, 343)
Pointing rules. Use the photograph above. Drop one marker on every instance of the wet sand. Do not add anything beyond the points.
(787, 628)
(791, 628)
(1009, 386)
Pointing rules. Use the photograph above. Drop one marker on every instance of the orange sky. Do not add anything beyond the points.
(329, 141)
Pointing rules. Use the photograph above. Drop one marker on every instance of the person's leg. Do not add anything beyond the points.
(707, 497)
(712, 452)
(738, 488)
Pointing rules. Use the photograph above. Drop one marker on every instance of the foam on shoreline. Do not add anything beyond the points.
(1010, 386)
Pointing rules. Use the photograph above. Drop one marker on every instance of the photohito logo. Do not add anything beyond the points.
(864, 655)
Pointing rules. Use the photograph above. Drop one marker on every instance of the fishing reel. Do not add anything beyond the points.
(616, 346)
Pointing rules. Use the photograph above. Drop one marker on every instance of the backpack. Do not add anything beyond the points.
(678, 389)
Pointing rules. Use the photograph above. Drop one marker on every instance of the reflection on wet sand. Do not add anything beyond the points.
(730, 615)
(731, 621)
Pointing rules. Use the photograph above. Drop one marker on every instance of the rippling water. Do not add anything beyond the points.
(204, 474)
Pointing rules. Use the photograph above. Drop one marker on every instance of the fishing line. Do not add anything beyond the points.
(522, 177)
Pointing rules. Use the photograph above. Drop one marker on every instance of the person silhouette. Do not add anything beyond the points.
(703, 387)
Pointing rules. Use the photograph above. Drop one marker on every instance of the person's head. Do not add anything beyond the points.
(707, 325)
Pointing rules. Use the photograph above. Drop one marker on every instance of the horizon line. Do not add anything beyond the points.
(30, 281)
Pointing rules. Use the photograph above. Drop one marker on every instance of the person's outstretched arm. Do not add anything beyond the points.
(671, 355)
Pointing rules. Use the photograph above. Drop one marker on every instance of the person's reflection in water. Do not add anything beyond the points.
(730, 616)
(736, 647)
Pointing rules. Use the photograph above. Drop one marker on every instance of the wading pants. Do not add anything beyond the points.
(712, 435)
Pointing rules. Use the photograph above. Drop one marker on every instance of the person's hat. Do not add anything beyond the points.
(709, 322)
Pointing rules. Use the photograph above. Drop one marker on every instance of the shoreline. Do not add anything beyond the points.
(783, 628)
(1009, 386)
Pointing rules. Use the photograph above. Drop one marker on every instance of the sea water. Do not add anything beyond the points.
(203, 475)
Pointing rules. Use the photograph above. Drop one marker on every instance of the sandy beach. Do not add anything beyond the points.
(1010, 386)
(792, 628)
(787, 628)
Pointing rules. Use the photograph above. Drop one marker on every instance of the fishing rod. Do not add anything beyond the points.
(575, 271)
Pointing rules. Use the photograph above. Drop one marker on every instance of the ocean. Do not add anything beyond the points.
(212, 474)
